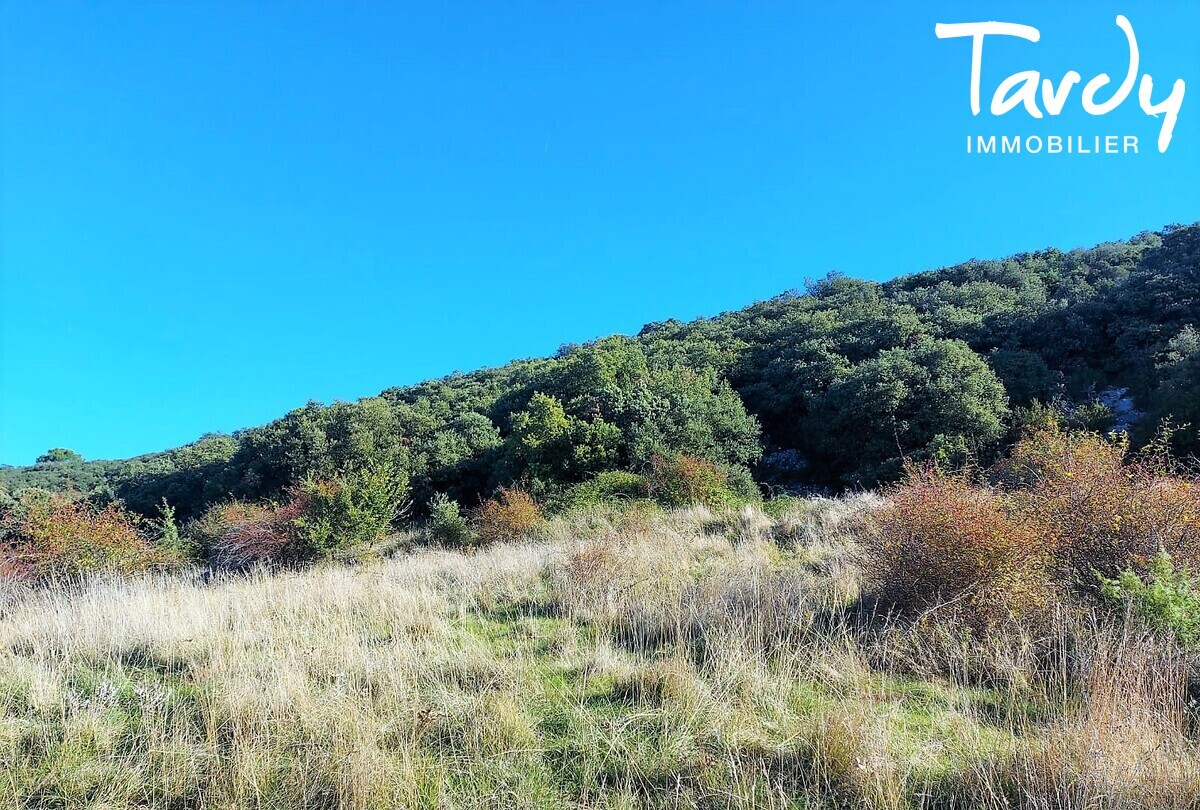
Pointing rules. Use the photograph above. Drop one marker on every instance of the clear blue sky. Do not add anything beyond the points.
(213, 212)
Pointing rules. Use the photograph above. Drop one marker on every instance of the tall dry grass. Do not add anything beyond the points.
(628, 658)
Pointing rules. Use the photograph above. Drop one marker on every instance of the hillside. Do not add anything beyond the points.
(826, 388)
(556, 583)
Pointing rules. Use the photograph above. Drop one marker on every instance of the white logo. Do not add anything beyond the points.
(1022, 88)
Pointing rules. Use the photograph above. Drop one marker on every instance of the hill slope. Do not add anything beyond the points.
(828, 387)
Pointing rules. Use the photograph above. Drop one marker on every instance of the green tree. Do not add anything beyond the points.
(901, 402)
(59, 455)
(1177, 397)
(680, 410)
(550, 448)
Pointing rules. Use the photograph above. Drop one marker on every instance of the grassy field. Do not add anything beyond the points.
(628, 658)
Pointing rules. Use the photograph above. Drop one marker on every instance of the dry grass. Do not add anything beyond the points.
(631, 658)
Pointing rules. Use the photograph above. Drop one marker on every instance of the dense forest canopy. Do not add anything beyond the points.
(831, 387)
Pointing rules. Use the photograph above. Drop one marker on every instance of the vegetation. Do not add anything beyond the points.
(50, 536)
(1167, 598)
(944, 543)
(938, 645)
(1061, 509)
(681, 480)
(511, 515)
(833, 387)
(58, 455)
(447, 524)
(346, 511)
(644, 604)
(238, 535)
(633, 657)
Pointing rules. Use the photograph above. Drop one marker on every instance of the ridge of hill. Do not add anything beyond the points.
(833, 386)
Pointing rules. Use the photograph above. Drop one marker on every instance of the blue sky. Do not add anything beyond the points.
(215, 212)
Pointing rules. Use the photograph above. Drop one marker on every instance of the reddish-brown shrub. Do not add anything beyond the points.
(57, 536)
(1064, 506)
(321, 517)
(943, 541)
(240, 535)
(510, 515)
(1107, 509)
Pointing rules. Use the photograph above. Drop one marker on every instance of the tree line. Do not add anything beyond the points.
(832, 386)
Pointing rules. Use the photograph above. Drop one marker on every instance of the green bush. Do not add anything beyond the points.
(780, 506)
(1166, 598)
(348, 510)
(612, 485)
(684, 480)
(447, 524)
(741, 483)
(323, 517)
(169, 536)
(1092, 416)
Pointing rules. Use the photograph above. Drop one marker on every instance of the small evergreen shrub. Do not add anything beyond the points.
(447, 524)
(1094, 416)
(606, 486)
(510, 515)
(784, 505)
(346, 511)
(741, 484)
(170, 538)
(1166, 598)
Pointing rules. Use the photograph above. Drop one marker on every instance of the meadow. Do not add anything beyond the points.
(621, 656)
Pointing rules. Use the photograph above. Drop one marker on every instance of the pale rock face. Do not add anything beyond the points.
(1117, 400)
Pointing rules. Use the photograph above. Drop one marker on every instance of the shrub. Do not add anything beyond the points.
(240, 535)
(346, 511)
(322, 517)
(741, 484)
(447, 525)
(1105, 508)
(1092, 416)
(1166, 598)
(943, 540)
(55, 536)
(1064, 508)
(170, 539)
(607, 486)
(683, 480)
(510, 515)
(780, 506)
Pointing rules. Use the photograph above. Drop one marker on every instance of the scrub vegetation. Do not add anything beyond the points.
(953, 641)
(832, 387)
(933, 543)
